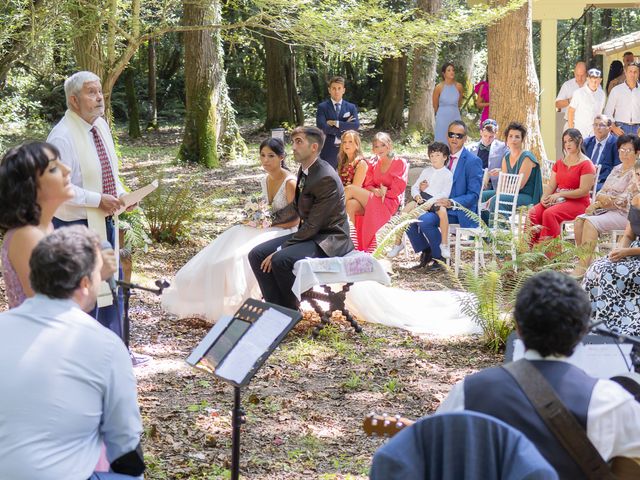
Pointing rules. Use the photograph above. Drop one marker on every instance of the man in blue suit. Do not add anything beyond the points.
(601, 147)
(467, 182)
(335, 116)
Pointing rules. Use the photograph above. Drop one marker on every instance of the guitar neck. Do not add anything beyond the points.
(385, 425)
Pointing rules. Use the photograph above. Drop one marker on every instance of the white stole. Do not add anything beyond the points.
(92, 180)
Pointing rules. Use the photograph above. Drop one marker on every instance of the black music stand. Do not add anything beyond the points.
(235, 349)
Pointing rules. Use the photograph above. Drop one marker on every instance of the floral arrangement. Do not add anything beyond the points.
(257, 214)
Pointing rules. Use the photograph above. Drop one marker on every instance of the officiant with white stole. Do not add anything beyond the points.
(86, 147)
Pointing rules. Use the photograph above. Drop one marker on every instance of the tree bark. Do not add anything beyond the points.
(151, 85)
(312, 71)
(133, 112)
(283, 103)
(394, 82)
(210, 130)
(514, 82)
(588, 38)
(423, 79)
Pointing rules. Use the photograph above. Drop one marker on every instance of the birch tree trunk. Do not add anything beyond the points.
(514, 82)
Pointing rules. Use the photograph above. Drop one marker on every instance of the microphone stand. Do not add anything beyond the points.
(126, 291)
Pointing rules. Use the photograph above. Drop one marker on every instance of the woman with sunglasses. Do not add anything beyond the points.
(371, 206)
(447, 98)
(611, 208)
(567, 194)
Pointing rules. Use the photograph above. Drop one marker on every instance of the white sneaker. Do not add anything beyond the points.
(445, 251)
(395, 250)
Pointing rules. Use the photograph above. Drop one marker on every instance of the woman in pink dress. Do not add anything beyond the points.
(371, 206)
(34, 182)
(481, 91)
(567, 194)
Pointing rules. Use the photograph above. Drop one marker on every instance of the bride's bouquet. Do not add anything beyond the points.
(257, 214)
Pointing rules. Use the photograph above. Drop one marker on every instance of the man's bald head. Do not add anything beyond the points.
(580, 72)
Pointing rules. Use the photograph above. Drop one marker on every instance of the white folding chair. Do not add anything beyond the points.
(504, 220)
(454, 227)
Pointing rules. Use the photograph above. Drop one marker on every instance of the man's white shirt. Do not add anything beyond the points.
(566, 92)
(62, 139)
(587, 104)
(623, 104)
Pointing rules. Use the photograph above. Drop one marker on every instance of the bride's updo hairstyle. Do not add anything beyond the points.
(277, 147)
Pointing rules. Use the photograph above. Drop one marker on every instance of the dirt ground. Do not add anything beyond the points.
(305, 407)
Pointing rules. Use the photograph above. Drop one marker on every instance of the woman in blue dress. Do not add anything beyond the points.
(447, 98)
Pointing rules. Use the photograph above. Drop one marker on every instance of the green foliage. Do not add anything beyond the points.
(136, 226)
(170, 208)
(495, 287)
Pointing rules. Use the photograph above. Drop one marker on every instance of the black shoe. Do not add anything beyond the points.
(436, 266)
(425, 258)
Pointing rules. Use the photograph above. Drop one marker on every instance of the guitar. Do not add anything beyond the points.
(387, 426)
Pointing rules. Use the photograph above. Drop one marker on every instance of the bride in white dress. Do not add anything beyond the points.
(219, 279)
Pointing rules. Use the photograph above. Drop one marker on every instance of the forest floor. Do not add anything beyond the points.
(305, 407)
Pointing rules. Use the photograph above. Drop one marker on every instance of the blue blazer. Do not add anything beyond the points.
(467, 180)
(348, 120)
(608, 159)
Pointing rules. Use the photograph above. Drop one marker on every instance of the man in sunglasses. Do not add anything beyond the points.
(601, 147)
(467, 182)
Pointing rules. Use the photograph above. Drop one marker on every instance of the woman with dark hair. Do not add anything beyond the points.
(567, 194)
(518, 160)
(33, 184)
(352, 166)
(447, 98)
(219, 278)
(615, 76)
(613, 282)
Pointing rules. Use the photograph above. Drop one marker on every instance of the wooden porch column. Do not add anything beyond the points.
(548, 68)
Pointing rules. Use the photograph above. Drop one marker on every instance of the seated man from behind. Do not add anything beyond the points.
(67, 382)
(552, 315)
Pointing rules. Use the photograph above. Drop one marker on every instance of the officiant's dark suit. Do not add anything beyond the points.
(323, 231)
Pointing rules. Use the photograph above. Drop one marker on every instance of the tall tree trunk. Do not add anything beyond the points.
(312, 71)
(423, 79)
(151, 85)
(282, 93)
(514, 82)
(132, 102)
(606, 20)
(394, 83)
(210, 131)
(588, 37)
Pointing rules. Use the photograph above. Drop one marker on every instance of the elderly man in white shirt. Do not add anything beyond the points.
(623, 104)
(586, 103)
(67, 382)
(552, 314)
(569, 88)
(86, 146)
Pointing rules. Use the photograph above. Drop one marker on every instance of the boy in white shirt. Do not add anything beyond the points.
(434, 182)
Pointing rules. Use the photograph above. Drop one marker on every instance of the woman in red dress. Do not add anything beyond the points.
(352, 167)
(567, 194)
(371, 206)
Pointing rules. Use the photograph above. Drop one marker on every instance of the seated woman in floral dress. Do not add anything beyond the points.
(371, 206)
(613, 282)
(33, 184)
(567, 194)
(352, 166)
(611, 208)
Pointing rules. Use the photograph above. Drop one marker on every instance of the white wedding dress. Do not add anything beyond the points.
(219, 279)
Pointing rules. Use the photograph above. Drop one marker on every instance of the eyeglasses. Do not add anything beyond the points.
(600, 125)
(459, 136)
(626, 150)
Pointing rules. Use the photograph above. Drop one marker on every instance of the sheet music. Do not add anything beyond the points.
(254, 343)
(600, 360)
